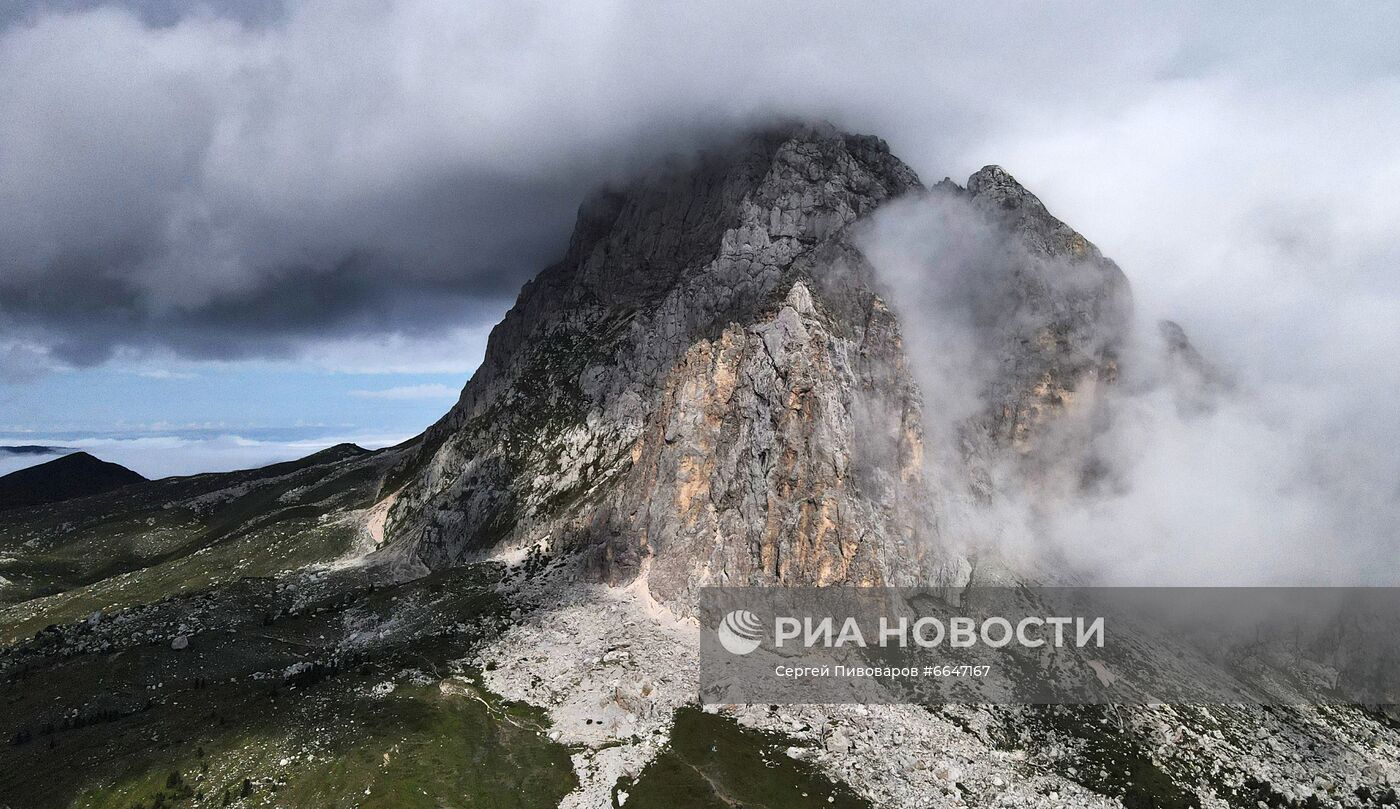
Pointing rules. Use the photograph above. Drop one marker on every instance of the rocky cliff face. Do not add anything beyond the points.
(711, 387)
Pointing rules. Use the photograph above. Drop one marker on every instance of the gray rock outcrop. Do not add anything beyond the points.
(711, 387)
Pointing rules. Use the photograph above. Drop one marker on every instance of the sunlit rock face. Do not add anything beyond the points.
(712, 386)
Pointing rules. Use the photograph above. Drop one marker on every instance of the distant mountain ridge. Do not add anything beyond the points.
(70, 476)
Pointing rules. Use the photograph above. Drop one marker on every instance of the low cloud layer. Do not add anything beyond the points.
(261, 180)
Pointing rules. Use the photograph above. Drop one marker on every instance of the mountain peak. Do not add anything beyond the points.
(657, 270)
(709, 234)
(997, 191)
(993, 178)
(795, 182)
(709, 386)
(76, 474)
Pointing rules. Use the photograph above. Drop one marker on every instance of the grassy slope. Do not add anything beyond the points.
(713, 763)
(146, 725)
(108, 728)
(178, 535)
(417, 747)
(113, 717)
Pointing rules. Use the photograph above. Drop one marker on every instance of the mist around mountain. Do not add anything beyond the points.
(783, 361)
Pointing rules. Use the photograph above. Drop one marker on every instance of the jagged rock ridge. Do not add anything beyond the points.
(711, 388)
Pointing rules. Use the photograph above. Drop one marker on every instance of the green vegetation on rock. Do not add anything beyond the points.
(713, 763)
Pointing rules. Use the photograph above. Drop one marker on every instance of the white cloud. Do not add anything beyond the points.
(24, 361)
(1286, 479)
(429, 391)
(451, 350)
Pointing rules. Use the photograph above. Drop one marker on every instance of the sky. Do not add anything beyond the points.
(238, 231)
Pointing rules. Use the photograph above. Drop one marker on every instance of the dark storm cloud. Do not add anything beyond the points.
(222, 190)
(234, 179)
(452, 251)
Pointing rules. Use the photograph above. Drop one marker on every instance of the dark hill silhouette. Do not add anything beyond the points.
(76, 475)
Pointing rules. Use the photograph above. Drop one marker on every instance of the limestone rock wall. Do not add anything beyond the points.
(710, 387)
